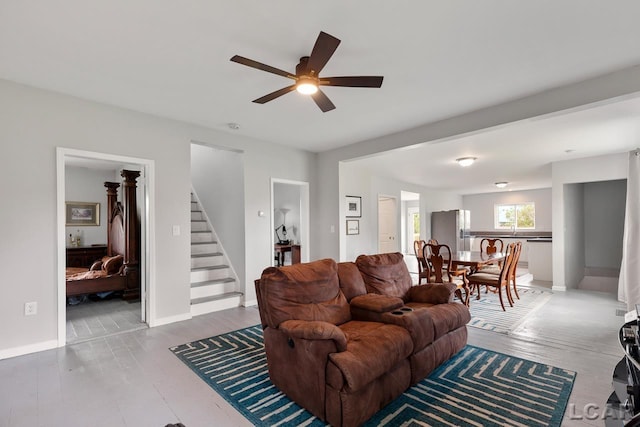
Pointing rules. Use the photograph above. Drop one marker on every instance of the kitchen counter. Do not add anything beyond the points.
(540, 240)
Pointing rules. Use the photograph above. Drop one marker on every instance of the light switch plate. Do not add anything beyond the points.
(176, 230)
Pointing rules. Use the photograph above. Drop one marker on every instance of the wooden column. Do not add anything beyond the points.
(112, 200)
(132, 235)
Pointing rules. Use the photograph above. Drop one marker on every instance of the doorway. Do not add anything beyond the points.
(289, 220)
(89, 170)
(387, 224)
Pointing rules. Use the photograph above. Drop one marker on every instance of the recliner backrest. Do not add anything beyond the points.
(385, 274)
(351, 281)
(304, 291)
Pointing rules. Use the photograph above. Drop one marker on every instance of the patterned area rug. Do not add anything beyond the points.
(486, 313)
(476, 387)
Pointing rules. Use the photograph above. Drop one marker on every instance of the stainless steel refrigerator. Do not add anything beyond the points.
(452, 228)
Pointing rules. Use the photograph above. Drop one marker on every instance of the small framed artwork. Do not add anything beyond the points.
(353, 226)
(354, 206)
(82, 213)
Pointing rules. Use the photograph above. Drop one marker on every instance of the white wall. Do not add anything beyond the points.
(359, 181)
(604, 211)
(217, 177)
(34, 122)
(87, 185)
(482, 207)
(592, 169)
(329, 204)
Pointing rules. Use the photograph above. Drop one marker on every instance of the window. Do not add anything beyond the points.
(515, 216)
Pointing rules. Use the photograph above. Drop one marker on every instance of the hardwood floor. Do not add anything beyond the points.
(132, 379)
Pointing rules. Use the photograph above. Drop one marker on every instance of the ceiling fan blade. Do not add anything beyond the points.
(260, 66)
(352, 81)
(274, 95)
(323, 101)
(322, 51)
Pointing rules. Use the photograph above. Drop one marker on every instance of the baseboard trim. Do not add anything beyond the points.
(28, 349)
(559, 288)
(170, 319)
(250, 303)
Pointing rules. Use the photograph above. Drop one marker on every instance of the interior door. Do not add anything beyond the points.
(387, 224)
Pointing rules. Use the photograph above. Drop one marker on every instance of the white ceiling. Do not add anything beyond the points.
(439, 59)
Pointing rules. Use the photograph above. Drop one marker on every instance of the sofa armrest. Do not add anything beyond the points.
(315, 330)
(435, 293)
(376, 303)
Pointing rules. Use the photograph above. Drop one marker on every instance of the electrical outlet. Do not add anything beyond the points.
(30, 308)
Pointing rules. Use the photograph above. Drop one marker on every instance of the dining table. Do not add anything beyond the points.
(475, 259)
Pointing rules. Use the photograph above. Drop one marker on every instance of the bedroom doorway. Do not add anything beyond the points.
(81, 176)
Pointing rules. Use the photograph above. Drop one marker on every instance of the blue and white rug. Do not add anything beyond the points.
(476, 387)
(486, 313)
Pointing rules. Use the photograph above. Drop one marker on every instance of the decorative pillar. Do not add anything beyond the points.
(132, 235)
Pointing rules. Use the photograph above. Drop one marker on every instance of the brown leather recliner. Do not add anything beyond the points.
(379, 288)
(341, 370)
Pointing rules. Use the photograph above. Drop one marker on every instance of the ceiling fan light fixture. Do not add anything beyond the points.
(466, 161)
(501, 184)
(306, 86)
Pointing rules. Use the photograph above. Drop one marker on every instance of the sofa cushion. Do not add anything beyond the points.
(372, 350)
(445, 317)
(376, 303)
(385, 274)
(351, 281)
(307, 291)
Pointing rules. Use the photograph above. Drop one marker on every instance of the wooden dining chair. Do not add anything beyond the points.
(423, 267)
(512, 270)
(496, 282)
(491, 246)
(439, 259)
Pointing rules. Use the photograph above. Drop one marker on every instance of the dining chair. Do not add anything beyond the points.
(491, 246)
(423, 267)
(512, 270)
(496, 282)
(439, 259)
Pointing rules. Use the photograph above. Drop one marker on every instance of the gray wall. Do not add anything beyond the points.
(604, 211)
(574, 234)
(482, 207)
(87, 185)
(217, 177)
(34, 122)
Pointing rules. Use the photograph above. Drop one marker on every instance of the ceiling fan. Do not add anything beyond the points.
(307, 78)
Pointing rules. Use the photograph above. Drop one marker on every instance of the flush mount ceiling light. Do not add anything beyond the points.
(466, 161)
(501, 184)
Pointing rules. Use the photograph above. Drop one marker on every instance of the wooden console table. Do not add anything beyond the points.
(280, 251)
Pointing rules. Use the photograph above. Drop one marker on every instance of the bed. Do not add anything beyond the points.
(119, 269)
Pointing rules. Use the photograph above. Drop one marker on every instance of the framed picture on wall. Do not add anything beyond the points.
(82, 213)
(353, 226)
(354, 206)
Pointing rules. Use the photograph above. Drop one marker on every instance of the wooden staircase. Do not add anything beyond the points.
(214, 285)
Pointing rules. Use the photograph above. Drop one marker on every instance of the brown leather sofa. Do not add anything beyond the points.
(436, 323)
(345, 361)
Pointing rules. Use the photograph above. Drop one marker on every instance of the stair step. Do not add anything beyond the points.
(204, 243)
(211, 267)
(206, 260)
(204, 255)
(213, 282)
(221, 302)
(216, 297)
